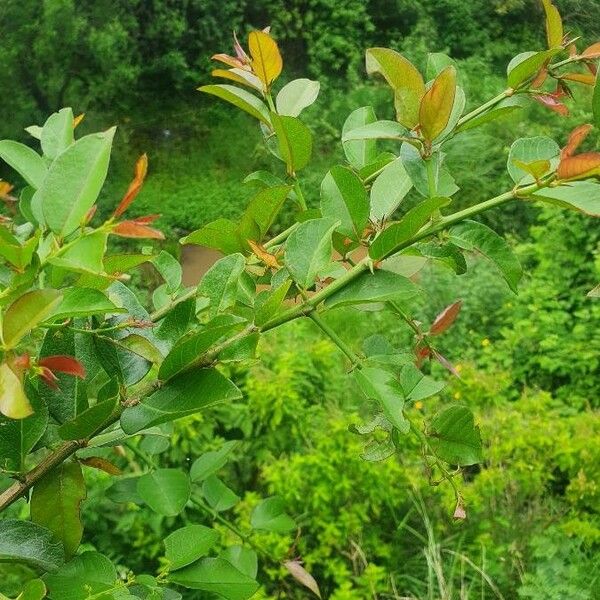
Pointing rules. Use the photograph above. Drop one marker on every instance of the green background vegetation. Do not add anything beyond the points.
(529, 364)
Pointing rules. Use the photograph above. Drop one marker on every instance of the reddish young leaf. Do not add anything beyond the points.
(63, 364)
(96, 462)
(592, 51)
(22, 362)
(580, 166)
(421, 353)
(90, 214)
(585, 78)
(575, 138)
(540, 78)
(141, 168)
(443, 321)
(230, 61)
(49, 377)
(445, 363)
(138, 228)
(551, 102)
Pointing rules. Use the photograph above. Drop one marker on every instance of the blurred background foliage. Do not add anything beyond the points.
(529, 364)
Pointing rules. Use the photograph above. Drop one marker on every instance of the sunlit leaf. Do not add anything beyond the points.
(403, 77)
(57, 133)
(25, 161)
(583, 196)
(296, 95)
(13, 400)
(239, 76)
(524, 66)
(266, 59)
(26, 312)
(527, 151)
(554, 26)
(241, 98)
(74, 182)
(384, 130)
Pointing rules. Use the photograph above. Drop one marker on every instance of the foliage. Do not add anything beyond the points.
(86, 367)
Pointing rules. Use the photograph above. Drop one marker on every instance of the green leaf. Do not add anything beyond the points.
(525, 65)
(174, 325)
(186, 545)
(55, 504)
(403, 77)
(295, 142)
(503, 108)
(190, 348)
(272, 303)
(380, 385)
(343, 197)
(375, 130)
(221, 234)
(270, 515)
(88, 421)
(471, 235)
(80, 302)
(210, 462)
(184, 395)
(296, 95)
(66, 402)
(416, 386)
(23, 541)
(528, 150)
(554, 26)
(57, 133)
(308, 250)
(87, 575)
(85, 255)
(454, 437)
(19, 436)
(261, 212)
(392, 239)
(359, 153)
(169, 269)
(220, 282)
(217, 576)
(377, 287)
(389, 189)
(26, 312)
(25, 161)
(242, 558)
(436, 63)
(34, 589)
(241, 98)
(74, 181)
(19, 255)
(416, 167)
(165, 491)
(124, 490)
(596, 102)
(218, 495)
(583, 196)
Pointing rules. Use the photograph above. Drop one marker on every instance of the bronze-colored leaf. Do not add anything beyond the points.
(436, 104)
(579, 166)
(575, 138)
(301, 575)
